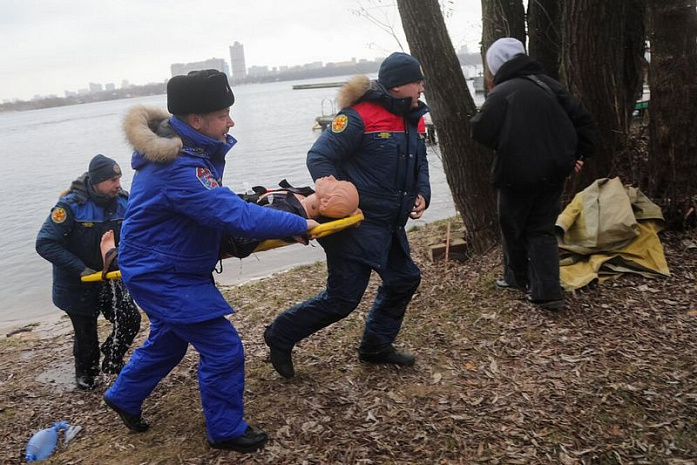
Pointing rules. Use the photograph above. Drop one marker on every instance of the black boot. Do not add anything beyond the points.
(282, 360)
(86, 372)
(250, 441)
(85, 382)
(553, 304)
(503, 284)
(132, 422)
(389, 355)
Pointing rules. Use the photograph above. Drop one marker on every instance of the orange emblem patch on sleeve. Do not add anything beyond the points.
(58, 215)
(339, 123)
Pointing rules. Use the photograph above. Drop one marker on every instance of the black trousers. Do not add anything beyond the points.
(530, 249)
(117, 306)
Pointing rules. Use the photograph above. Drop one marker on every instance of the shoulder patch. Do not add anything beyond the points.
(339, 123)
(206, 177)
(58, 215)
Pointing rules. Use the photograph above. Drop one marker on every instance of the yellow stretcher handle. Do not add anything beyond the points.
(94, 277)
(322, 230)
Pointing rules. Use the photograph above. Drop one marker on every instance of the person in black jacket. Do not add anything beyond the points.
(71, 239)
(540, 135)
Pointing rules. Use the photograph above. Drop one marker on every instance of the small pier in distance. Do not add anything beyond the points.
(319, 85)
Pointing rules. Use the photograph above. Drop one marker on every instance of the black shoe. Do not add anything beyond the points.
(85, 382)
(132, 422)
(503, 284)
(250, 441)
(553, 304)
(282, 360)
(390, 355)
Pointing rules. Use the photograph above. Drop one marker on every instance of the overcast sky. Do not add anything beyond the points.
(49, 46)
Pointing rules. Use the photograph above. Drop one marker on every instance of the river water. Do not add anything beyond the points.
(46, 149)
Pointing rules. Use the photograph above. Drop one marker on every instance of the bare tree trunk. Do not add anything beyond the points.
(502, 18)
(673, 109)
(602, 46)
(544, 34)
(465, 162)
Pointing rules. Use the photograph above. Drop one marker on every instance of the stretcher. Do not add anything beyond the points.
(324, 229)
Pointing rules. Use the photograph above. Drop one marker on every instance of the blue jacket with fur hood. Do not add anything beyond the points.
(378, 143)
(177, 214)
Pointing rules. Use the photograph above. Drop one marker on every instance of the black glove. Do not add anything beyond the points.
(87, 271)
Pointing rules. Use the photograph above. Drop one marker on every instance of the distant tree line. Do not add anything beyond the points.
(116, 94)
(469, 59)
(329, 70)
(295, 74)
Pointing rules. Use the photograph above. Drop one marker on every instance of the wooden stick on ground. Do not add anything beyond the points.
(447, 244)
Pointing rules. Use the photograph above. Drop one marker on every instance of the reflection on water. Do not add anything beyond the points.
(45, 150)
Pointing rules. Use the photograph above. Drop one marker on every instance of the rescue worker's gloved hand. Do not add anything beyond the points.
(87, 271)
(311, 224)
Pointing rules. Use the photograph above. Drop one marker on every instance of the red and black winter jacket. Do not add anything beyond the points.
(377, 143)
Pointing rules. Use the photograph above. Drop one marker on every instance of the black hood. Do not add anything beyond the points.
(83, 190)
(518, 66)
(80, 189)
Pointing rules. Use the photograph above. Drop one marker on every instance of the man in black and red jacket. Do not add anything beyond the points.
(376, 142)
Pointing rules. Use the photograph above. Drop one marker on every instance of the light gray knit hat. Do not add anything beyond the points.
(501, 51)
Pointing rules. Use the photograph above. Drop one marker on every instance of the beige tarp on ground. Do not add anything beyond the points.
(610, 229)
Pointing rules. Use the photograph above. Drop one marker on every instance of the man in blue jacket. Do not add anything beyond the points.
(70, 239)
(377, 143)
(170, 243)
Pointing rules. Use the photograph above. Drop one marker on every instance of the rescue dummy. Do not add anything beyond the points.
(110, 256)
(331, 199)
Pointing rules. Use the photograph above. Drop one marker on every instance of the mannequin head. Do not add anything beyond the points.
(332, 198)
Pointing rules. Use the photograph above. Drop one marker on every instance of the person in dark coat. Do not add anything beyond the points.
(170, 244)
(540, 135)
(376, 142)
(70, 239)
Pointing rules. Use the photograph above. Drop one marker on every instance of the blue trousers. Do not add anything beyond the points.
(220, 372)
(346, 283)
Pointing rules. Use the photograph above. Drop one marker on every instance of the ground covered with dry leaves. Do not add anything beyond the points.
(612, 379)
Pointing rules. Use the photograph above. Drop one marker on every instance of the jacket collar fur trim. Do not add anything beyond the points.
(361, 88)
(147, 130)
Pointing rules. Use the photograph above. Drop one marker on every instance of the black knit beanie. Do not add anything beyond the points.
(199, 92)
(103, 168)
(399, 69)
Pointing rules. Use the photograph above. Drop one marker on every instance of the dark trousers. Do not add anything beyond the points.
(530, 250)
(346, 283)
(118, 308)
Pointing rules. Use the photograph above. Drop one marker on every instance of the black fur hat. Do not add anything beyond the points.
(199, 92)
